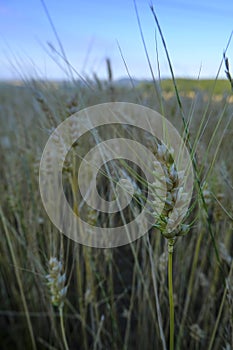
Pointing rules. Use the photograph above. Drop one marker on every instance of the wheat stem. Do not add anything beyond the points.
(63, 328)
(170, 288)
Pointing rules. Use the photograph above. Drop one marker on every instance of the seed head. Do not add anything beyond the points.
(175, 196)
(56, 281)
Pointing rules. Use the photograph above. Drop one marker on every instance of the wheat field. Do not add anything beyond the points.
(110, 299)
(157, 292)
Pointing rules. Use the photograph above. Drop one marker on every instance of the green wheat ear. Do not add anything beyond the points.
(175, 195)
(56, 281)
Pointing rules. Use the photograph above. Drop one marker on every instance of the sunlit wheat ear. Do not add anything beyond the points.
(56, 281)
(175, 195)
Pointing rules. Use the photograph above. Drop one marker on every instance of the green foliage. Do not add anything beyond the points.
(189, 85)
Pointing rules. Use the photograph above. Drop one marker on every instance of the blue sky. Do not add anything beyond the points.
(196, 33)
